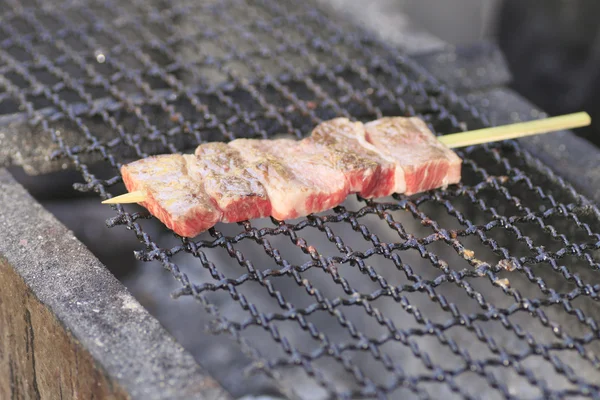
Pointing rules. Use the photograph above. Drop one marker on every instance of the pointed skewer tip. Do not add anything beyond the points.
(132, 197)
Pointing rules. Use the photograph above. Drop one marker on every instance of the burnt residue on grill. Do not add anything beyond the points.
(487, 287)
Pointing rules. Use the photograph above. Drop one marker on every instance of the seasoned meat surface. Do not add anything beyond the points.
(220, 157)
(222, 172)
(297, 181)
(369, 172)
(173, 197)
(426, 162)
(238, 195)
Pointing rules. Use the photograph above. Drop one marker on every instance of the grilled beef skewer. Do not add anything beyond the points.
(286, 179)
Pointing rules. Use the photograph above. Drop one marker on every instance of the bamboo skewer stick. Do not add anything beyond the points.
(456, 140)
(518, 130)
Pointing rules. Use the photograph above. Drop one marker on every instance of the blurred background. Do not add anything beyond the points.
(552, 46)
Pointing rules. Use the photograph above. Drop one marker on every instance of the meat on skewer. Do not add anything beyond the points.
(298, 179)
(368, 172)
(284, 178)
(428, 163)
(173, 197)
(226, 179)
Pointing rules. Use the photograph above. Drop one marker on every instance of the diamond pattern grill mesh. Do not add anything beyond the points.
(486, 287)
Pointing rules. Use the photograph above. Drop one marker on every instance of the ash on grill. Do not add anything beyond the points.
(487, 287)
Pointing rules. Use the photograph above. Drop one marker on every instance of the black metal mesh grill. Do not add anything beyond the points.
(486, 287)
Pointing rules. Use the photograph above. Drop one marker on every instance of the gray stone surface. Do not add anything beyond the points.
(16, 148)
(130, 345)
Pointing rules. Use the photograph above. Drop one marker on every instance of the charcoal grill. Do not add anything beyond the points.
(485, 289)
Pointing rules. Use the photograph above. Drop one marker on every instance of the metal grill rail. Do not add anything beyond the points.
(457, 271)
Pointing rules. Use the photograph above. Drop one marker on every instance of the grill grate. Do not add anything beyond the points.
(486, 286)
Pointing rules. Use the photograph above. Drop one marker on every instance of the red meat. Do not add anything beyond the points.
(368, 172)
(427, 163)
(298, 180)
(172, 196)
(221, 170)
